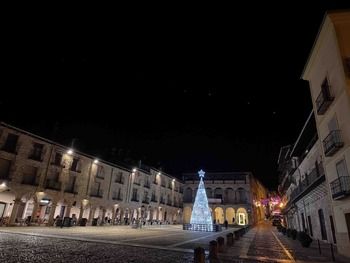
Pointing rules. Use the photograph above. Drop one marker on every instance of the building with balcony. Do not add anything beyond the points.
(328, 74)
(303, 187)
(41, 179)
(232, 196)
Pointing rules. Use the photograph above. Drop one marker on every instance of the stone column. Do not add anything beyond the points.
(35, 210)
(52, 213)
(104, 211)
(14, 211)
(67, 212)
(91, 216)
(81, 212)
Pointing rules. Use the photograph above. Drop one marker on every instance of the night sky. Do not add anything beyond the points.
(181, 89)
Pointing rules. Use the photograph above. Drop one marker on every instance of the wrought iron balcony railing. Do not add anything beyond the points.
(119, 180)
(340, 187)
(53, 185)
(332, 143)
(311, 181)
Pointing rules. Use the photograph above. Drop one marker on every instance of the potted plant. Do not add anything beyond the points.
(288, 232)
(282, 229)
(304, 238)
(293, 233)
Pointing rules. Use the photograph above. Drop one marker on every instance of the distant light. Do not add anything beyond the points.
(70, 151)
(134, 170)
(173, 180)
(3, 184)
(95, 161)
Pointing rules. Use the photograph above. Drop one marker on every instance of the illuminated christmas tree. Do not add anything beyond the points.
(201, 212)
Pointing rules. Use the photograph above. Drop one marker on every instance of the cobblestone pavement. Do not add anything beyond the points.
(262, 243)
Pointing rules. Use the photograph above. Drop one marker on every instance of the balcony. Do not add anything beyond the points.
(135, 199)
(287, 181)
(118, 198)
(323, 101)
(9, 149)
(71, 191)
(98, 194)
(30, 182)
(145, 200)
(312, 180)
(119, 181)
(58, 163)
(53, 185)
(100, 176)
(35, 157)
(332, 143)
(340, 187)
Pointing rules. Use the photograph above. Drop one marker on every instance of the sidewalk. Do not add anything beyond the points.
(240, 249)
(317, 252)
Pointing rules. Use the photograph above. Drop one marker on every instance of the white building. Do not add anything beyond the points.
(328, 73)
(303, 186)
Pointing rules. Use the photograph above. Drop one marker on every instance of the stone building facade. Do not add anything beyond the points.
(41, 180)
(232, 196)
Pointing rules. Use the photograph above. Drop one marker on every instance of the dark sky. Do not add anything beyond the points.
(182, 88)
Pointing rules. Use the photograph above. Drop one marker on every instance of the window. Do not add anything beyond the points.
(341, 169)
(322, 224)
(36, 152)
(11, 143)
(58, 159)
(5, 166)
(325, 89)
(71, 184)
(134, 195)
(100, 172)
(30, 175)
(119, 178)
(310, 225)
(74, 166)
(303, 221)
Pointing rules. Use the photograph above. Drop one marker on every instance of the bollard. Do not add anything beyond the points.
(229, 241)
(213, 249)
(221, 244)
(199, 255)
(236, 234)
